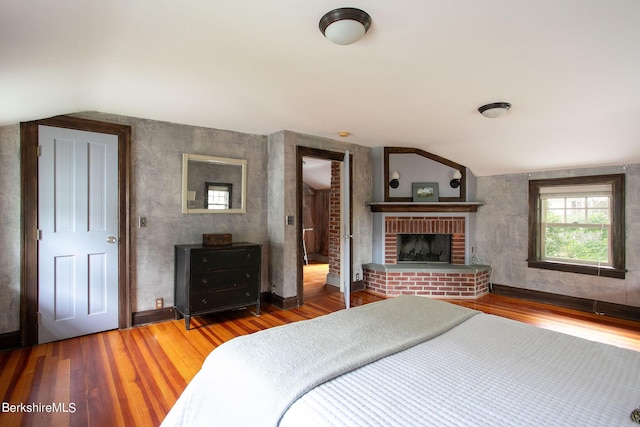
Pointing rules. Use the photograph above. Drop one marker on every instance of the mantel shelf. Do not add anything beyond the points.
(424, 207)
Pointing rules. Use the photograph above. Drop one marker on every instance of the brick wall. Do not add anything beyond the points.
(334, 220)
(394, 225)
(433, 284)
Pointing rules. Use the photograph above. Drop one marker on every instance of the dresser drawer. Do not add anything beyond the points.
(202, 302)
(224, 279)
(212, 260)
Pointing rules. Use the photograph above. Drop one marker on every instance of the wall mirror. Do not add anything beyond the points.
(213, 184)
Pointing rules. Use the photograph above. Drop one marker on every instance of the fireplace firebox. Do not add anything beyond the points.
(424, 248)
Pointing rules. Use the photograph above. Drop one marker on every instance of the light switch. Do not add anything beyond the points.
(142, 221)
(290, 220)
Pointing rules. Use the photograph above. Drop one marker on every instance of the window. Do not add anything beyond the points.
(577, 225)
(218, 196)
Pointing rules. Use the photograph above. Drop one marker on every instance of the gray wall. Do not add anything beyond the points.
(502, 239)
(283, 242)
(156, 153)
(10, 228)
(156, 184)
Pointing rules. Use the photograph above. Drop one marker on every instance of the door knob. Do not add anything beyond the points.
(112, 239)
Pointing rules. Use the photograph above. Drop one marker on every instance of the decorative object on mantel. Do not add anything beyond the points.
(219, 239)
(425, 191)
(394, 183)
(496, 109)
(455, 182)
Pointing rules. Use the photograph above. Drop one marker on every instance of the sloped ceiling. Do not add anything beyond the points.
(571, 69)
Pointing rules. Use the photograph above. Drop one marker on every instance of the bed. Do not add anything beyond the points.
(411, 361)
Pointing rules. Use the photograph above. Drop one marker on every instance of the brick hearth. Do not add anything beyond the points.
(455, 280)
(445, 282)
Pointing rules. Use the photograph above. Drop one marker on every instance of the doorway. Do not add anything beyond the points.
(319, 217)
(29, 193)
(318, 188)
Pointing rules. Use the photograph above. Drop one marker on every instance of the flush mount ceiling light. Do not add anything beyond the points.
(494, 110)
(345, 25)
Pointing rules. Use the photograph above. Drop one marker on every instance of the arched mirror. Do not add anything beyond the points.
(213, 184)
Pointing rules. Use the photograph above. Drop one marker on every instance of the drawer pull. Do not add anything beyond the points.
(247, 294)
(235, 285)
(204, 300)
(248, 275)
(204, 260)
(249, 255)
(204, 281)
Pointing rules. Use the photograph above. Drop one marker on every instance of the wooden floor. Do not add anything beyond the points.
(315, 281)
(133, 377)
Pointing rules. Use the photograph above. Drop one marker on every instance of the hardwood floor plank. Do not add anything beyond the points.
(133, 377)
(127, 379)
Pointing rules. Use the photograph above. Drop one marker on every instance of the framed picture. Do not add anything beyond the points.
(425, 191)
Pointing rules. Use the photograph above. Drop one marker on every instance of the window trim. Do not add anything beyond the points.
(617, 225)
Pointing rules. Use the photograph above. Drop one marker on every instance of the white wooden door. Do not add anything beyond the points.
(78, 225)
(345, 231)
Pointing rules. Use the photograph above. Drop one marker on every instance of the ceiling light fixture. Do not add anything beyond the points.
(345, 25)
(494, 110)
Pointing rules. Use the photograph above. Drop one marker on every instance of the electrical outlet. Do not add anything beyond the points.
(159, 303)
(142, 221)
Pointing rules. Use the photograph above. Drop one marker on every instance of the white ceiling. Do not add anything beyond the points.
(571, 69)
(316, 173)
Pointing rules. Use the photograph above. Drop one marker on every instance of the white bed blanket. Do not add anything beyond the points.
(252, 380)
(488, 371)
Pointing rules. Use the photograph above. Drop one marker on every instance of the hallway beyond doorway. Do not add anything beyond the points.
(315, 281)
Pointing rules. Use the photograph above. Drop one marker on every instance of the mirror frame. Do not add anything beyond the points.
(213, 160)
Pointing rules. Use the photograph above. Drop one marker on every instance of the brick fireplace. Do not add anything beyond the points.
(445, 280)
(394, 225)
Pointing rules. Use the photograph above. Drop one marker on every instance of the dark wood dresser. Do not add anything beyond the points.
(216, 278)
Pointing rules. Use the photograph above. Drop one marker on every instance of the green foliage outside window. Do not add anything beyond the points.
(577, 229)
(579, 244)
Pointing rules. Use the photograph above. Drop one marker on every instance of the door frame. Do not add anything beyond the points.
(29, 208)
(301, 152)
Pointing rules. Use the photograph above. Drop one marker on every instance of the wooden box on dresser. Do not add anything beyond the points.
(216, 278)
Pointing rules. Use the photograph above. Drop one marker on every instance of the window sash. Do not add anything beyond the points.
(544, 227)
(613, 187)
(588, 211)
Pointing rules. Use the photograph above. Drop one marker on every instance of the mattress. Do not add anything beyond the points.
(468, 368)
(487, 371)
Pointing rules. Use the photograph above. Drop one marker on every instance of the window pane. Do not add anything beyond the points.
(598, 202)
(576, 202)
(598, 216)
(555, 215)
(576, 216)
(577, 243)
(555, 203)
